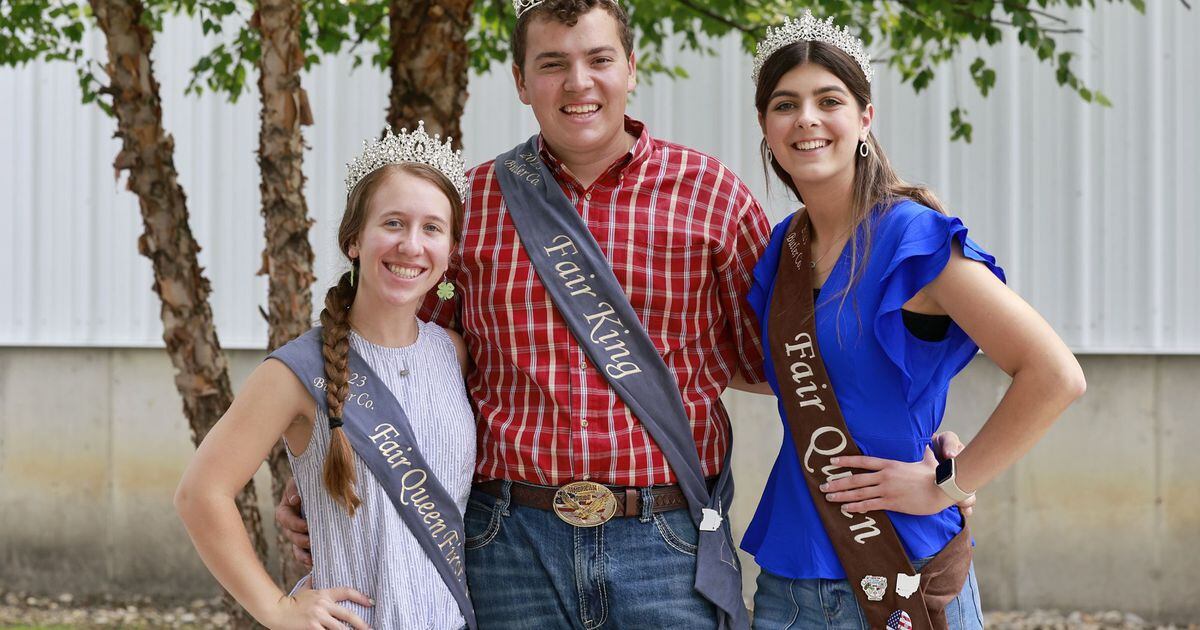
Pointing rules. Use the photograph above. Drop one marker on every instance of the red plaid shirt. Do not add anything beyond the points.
(682, 234)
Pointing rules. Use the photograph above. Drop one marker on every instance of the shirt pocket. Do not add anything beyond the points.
(670, 282)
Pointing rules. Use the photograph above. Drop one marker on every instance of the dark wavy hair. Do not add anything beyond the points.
(877, 187)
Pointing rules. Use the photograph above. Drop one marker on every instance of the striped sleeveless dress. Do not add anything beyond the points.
(374, 552)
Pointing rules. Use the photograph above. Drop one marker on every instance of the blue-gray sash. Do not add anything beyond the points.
(581, 284)
(379, 431)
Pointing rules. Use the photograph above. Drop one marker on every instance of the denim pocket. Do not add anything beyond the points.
(678, 530)
(973, 609)
(481, 522)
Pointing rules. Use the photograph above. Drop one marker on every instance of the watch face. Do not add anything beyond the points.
(945, 471)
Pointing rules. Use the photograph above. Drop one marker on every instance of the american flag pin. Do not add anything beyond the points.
(899, 620)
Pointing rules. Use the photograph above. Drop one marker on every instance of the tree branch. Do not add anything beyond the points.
(1044, 29)
(1047, 15)
(908, 6)
(717, 17)
(363, 33)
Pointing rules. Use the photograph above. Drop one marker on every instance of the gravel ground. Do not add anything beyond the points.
(18, 610)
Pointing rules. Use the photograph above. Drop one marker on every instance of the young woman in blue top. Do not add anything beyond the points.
(905, 301)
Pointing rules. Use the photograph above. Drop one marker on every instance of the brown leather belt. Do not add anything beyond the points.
(628, 500)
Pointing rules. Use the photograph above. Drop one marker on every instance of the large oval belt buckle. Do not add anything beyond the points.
(585, 504)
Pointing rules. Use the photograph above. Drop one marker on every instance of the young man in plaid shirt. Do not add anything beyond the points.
(681, 233)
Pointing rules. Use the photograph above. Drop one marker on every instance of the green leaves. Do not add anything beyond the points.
(35, 29)
(960, 129)
(984, 77)
(90, 86)
(224, 68)
(915, 38)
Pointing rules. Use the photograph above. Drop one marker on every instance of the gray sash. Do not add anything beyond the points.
(581, 284)
(381, 435)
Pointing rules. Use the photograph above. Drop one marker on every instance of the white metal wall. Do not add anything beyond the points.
(1090, 210)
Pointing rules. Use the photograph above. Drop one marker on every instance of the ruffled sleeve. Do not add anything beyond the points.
(922, 251)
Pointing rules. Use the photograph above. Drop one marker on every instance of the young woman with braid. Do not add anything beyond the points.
(403, 219)
(871, 298)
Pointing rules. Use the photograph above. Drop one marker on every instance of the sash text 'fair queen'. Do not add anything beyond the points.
(870, 552)
(380, 433)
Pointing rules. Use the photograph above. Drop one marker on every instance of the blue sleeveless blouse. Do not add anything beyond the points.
(891, 386)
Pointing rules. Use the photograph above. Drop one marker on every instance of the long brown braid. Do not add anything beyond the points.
(335, 337)
(335, 322)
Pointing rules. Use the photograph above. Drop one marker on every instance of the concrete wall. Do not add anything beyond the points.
(1104, 513)
(92, 445)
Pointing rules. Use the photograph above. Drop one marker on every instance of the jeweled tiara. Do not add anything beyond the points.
(415, 147)
(809, 29)
(522, 6)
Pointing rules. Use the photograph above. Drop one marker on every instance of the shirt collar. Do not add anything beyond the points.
(643, 147)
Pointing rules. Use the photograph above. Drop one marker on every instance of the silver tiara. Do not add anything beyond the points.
(809, 29)
(416, 147)
(522, 6)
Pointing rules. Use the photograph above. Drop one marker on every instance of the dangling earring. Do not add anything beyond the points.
(353, 266)
(770, 155)
(864, 149)
(445, 290)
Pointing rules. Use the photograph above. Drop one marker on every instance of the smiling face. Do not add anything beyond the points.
(405, 241)
(576, 79)
(813, 126)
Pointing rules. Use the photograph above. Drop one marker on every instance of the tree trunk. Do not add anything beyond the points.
(147, 152)
(429, 64)
(288, 257)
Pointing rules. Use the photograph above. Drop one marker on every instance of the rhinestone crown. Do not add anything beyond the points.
(522, 6)
(415, 147)
(809, 29)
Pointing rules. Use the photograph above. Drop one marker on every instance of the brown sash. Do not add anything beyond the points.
(870, 552)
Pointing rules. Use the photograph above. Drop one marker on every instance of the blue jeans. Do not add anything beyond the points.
(782, 603)
(528, 569)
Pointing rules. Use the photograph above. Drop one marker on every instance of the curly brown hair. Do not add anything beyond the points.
(567, 12)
